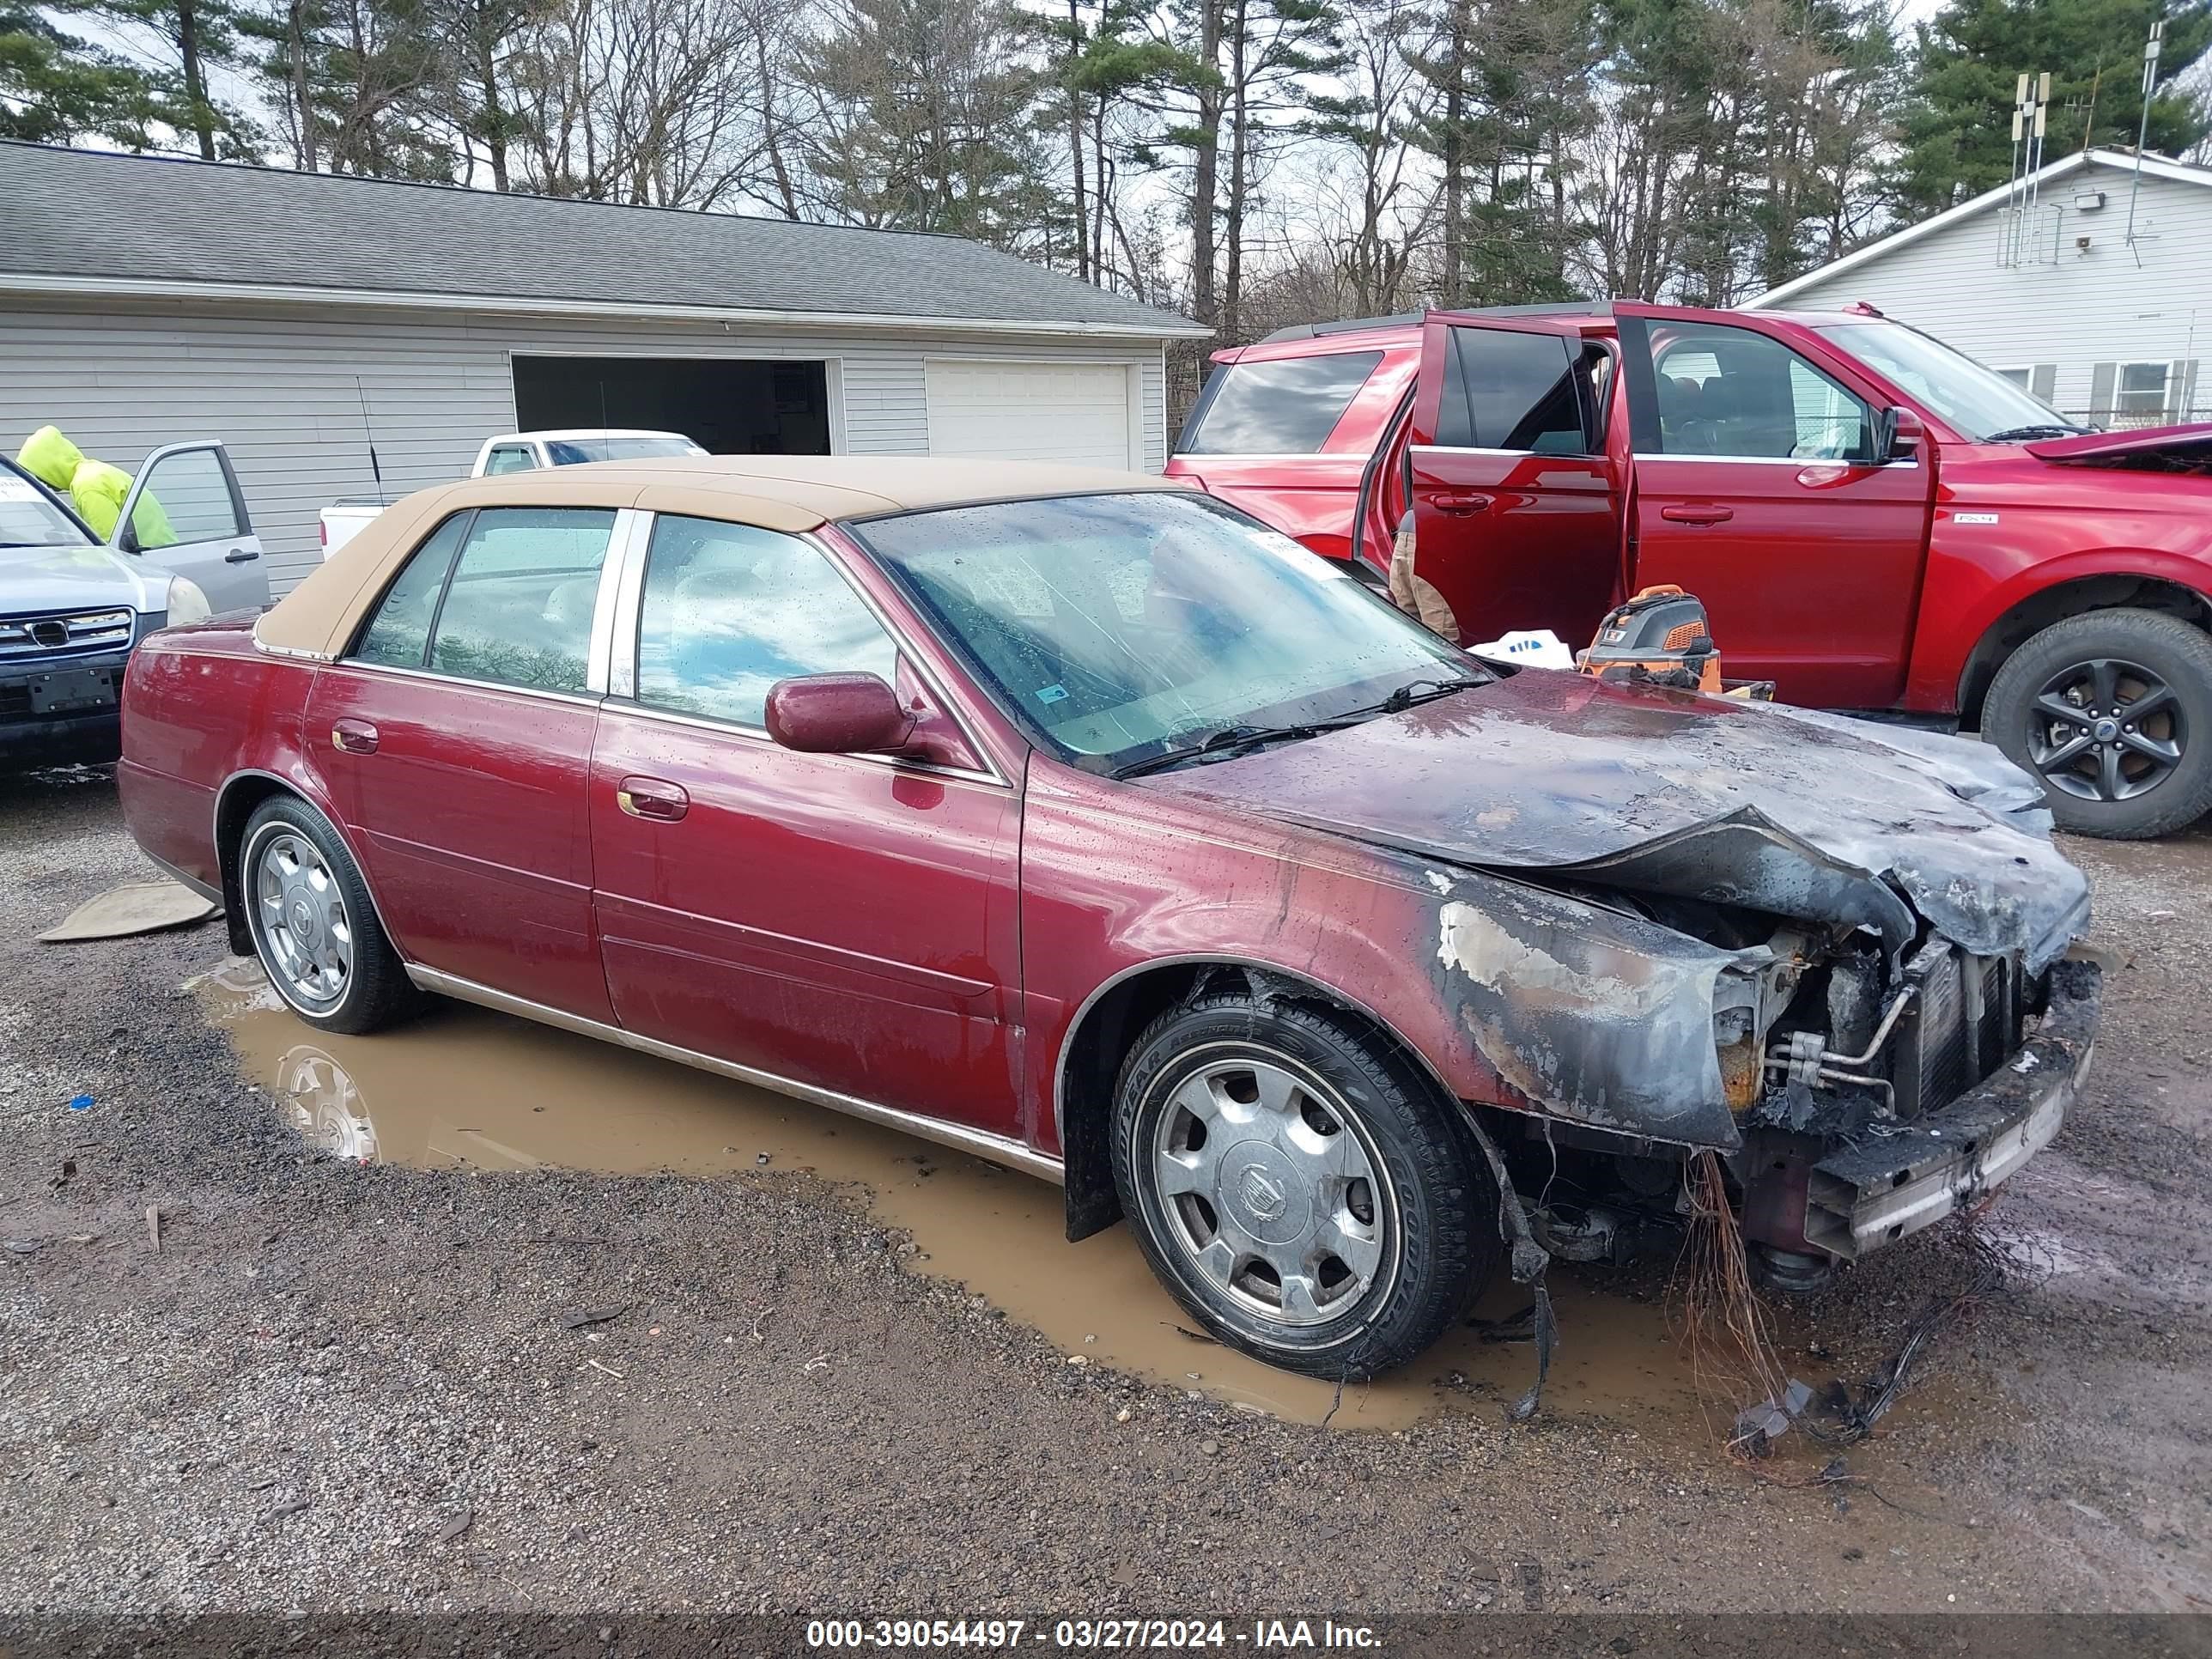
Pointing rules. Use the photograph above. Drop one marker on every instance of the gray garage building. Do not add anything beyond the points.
(303, 317)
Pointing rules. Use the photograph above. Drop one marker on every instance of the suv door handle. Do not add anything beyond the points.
(1459, 501)
(1697, 513)
(354, 736)
(241, 555)
(653, 799)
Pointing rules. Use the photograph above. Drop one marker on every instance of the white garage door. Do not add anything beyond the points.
(1030, 411)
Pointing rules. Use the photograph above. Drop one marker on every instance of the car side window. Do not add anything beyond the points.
(728, 610)
(187, 498)
(1731, 392)
(517, 605)
(1506, 390)
(399, 633)
(1288, 406)
(509, 457)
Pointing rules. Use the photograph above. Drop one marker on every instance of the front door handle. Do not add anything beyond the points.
(354, 736)
(652, 798)
(241, 555)
(1697, 513)
(1460, 501)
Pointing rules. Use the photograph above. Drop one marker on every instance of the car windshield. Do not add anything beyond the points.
(28, 517)
(1980, 402)
(572, 451)
(1123, 627)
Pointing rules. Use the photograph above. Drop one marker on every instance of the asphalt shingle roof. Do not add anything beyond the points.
(86, 213)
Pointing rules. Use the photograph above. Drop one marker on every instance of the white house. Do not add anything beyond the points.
(2056, 292)
(302, 317)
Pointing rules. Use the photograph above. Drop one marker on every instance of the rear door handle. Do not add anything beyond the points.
(1460, 502)
(354, 736)
(241, 555)
(1697, 513)
(652, 798)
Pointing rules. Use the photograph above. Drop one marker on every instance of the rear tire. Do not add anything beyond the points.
(2112, 711)
(314, 925)
(1299, 1186)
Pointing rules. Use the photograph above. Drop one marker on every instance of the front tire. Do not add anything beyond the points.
(1299, 1186)
(2112, 711)
(313, 923)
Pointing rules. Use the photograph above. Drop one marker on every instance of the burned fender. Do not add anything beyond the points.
(1590, 1014)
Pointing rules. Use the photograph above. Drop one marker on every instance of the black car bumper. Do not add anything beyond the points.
(62, 713)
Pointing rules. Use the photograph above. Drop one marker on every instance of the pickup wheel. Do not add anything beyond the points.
(1299, 1186)
(2113, 711)
(313, 923)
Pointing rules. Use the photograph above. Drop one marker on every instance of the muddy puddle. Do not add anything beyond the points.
(466, 1088)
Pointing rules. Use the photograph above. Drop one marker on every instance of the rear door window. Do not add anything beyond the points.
(1286, 407)
(505, 595)
(508, 458)
(1510, 391)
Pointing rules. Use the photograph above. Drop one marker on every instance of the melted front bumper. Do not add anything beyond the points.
(1892, 1185)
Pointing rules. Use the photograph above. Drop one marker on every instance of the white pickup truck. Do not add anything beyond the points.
(520, 452)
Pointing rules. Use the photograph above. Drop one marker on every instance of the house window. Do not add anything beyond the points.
(2141, 398)
(2019, 377)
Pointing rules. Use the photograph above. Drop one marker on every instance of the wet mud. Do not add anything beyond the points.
(464, 1087)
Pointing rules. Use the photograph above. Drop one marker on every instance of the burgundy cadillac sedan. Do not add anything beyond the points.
(1083, 823)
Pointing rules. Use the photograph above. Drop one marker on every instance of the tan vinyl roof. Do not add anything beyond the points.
(793, 493)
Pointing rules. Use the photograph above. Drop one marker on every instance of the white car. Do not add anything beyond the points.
(522, 451)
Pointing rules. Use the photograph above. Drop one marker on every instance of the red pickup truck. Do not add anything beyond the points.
(1874, 521)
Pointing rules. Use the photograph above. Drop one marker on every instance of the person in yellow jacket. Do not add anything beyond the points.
(96, 489)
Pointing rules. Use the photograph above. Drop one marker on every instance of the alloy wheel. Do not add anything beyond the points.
(1272, 1189)
(2105, 729)
(299, 917)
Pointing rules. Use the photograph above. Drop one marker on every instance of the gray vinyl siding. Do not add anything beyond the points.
(278, 386)
(2075, 317)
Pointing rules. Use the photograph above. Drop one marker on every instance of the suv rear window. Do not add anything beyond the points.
(1286, 407)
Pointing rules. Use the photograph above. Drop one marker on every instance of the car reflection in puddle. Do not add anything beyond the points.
(465, 1088)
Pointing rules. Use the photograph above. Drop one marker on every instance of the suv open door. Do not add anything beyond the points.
(1758, 488)
(1512, 494)
(185, 511)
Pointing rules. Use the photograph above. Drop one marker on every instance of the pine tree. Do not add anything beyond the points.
(928, 118)
(1958, 127)
(56, 88)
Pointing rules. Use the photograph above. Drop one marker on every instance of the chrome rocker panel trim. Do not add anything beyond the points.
(980, 1143)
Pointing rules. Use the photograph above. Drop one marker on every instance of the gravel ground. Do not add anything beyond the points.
(335, 1386)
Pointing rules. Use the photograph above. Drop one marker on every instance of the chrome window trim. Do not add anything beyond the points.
(1529, 455)
(1801, 462)
(581, 699)
(598, 657)
(982, 1143)
(621, 679)
(932, 770)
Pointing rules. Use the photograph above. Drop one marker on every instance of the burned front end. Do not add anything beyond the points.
(1868, 1046)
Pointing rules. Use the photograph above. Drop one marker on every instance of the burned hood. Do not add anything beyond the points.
(1805, 814)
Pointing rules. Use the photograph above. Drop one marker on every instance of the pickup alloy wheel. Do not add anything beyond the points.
(1298, 1186)
(2113, 711)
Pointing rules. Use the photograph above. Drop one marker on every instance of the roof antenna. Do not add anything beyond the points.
(369, 433)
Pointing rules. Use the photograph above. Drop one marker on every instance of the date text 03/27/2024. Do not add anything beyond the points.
(1090, 1635)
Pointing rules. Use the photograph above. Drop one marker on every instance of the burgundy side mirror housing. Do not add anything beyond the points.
(838, 714)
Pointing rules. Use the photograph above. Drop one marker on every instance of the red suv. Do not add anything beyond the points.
(1874, 521)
